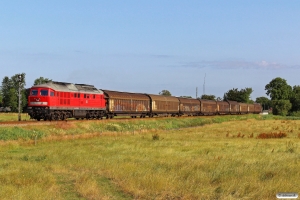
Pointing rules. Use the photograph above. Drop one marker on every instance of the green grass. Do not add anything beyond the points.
(13, 117)
(210, 161)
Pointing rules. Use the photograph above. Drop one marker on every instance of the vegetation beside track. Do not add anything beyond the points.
(5, 117)
(219, 158)
(90, 128)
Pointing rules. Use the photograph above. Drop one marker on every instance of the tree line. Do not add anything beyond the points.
(9, 91)
(284, 99)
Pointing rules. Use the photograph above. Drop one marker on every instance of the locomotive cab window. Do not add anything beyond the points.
(34, 92)
(44, 93)
(51, 93)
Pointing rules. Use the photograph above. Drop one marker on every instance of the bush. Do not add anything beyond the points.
(271, 135)
(155, 137)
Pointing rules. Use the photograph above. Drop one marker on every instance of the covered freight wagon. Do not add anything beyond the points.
(257, 108)
(163, 105)
(125, 103)
(250, 108)
(189, 106)
(208, 107)
(233, 107)
(223, 107)
(243, 108)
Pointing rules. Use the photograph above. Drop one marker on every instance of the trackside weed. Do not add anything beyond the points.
(271, 135)
(155, 136)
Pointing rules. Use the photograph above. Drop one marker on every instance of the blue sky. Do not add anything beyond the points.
(148, 46)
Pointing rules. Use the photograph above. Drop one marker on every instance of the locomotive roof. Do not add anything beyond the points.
(70, 87)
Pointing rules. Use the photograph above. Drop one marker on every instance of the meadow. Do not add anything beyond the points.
(13, 117)
(169, 158)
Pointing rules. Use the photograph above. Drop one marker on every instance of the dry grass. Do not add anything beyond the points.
(13, 117)
(215, 161)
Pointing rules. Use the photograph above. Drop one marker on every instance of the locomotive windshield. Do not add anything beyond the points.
(34, 92)
(44, 93)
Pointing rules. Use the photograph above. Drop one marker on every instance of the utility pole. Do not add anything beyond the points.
(196, 92)
(20, 83)
(204, 84)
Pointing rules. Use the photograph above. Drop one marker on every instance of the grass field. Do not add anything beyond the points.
(13, 117)
(218, 158)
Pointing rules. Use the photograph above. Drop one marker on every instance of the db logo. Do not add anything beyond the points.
(37, 99)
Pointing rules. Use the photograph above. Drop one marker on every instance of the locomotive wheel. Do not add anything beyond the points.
(63, 117)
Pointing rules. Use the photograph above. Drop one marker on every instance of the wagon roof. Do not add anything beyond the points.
(223, 102)
(156, 97)
(232, 102)
(207, 101)
(125, 95)
(188, 100)
(69, 87)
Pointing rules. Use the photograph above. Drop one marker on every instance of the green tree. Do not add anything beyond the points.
(165, 93)
(264, 102)
(242, 95)
(208, 97)
(280, 93)
(6, 86)
(41, 80)
(219, 99)
(13, 100)
(278, 89)
(281, 107)
(10, 91)
(295, 98)
(1, 99)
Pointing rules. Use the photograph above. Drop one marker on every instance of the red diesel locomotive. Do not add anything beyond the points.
(59, 101)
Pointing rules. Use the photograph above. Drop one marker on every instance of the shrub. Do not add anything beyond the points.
(271, 135)
(155, 137)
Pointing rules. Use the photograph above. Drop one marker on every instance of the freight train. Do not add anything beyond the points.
(60, 101)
